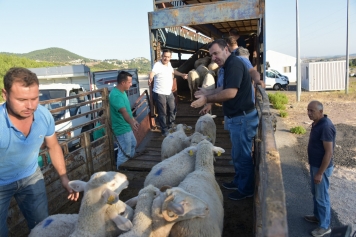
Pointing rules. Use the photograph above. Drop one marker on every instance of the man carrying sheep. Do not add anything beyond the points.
(320, 151)
(162, 90)
(24, 127)
(242, 118)
(122, 121)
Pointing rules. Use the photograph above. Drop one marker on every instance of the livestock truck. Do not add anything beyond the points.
(185, 27)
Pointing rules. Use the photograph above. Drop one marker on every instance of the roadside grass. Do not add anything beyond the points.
(298, 130)
(278, 100)
(283, 113)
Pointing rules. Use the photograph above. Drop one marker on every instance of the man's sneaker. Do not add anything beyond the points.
(311, 218)
(238, 196)
(320, 231)
(230, 186)
(165, 134)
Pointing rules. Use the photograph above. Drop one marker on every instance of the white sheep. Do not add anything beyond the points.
(95, 214)
(202, 71)
(158, 210)
(175, 142)
(206, 126)
(193, 82)
(209, 81)
(173, 170)
(202, 61)
(62, 225)
(201, 183)
(213, 67)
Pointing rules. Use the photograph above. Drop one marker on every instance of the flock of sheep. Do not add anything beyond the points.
(188, 203)
(203, 75)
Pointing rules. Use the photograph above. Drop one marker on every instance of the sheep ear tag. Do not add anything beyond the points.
(219, 153)
(110, 196)
(191, 153)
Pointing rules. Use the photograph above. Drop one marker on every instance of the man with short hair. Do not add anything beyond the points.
(242, 118)
(320, 152)
(239, 39)
(122, 121)
(24, 126)
(163, 97)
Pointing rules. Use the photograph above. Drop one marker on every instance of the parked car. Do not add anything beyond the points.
(279, 74)
(275, 81)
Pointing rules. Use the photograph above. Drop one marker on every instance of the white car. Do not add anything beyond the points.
(275, 81)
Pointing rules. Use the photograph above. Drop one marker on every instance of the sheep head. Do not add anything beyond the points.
(180, 205)
(121, 214)
(196, 138)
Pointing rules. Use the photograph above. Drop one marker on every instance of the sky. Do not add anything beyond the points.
(118, 29)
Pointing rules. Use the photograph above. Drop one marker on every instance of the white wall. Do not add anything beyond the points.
(278, 61)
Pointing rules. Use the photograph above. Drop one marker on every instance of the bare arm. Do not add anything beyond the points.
(206, 92)
(57, 158)
(256, 77)
(150, 78)
(221, 96)
(133, 123)
(328, 147)
(183, 75)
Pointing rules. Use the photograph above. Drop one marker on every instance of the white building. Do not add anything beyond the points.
(285, 64)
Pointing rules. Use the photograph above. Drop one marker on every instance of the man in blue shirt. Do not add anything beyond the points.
(24, 127)
(320, 152)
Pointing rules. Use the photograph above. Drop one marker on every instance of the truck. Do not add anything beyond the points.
(185, 27)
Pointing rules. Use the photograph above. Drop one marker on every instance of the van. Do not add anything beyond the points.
(59, 90)
(275, 81)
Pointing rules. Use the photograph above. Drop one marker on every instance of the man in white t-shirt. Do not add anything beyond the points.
(162, 90)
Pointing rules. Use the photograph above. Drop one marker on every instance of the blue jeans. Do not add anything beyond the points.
(128, 144)
(322, 209)
(164, 104)
(30, 194)
(242, 131)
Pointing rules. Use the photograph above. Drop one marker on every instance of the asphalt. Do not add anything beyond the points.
(296, 179)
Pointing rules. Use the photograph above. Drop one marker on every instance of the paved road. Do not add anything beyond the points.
(299, 200)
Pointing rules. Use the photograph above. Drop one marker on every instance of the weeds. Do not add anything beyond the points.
(278, 100)
(283, 113)
(298, 130)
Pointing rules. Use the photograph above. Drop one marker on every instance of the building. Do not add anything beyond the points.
(285, 64)
(323, 76)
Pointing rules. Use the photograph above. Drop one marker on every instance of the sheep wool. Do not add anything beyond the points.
(206, 126)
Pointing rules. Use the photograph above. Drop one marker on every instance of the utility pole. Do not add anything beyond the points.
(347, 50)
(299, 83)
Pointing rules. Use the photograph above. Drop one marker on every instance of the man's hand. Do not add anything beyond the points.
(318, 178)
(134, 125)
(205, 109)
(200, 91)
(184, 76)
(73, 196)
(199, 102)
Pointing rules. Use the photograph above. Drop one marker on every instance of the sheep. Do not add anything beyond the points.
(168, 206)
(213, 67)
(202, 71)
(62, 225)
(209, 81)
(174, 142)
(206, 126)
(95, 214)
(202, 61)
(193, 82)
(201, 183)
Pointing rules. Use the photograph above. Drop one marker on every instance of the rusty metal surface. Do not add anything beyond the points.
(270, 205)
(190, 15)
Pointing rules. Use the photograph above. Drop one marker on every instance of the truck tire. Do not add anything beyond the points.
(277, 87)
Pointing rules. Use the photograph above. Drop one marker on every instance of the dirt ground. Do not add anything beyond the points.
(340, 108)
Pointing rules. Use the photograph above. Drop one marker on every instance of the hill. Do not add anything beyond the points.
(52, 55)
(65, 57)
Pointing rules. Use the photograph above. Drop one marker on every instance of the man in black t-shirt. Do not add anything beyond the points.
(320, 151)
(242, 118)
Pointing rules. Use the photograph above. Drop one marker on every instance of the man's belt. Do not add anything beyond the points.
(241, 113)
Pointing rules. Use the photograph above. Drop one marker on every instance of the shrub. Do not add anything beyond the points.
(298, 130)
(278, 100)
(279, 105)
(283, 113)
